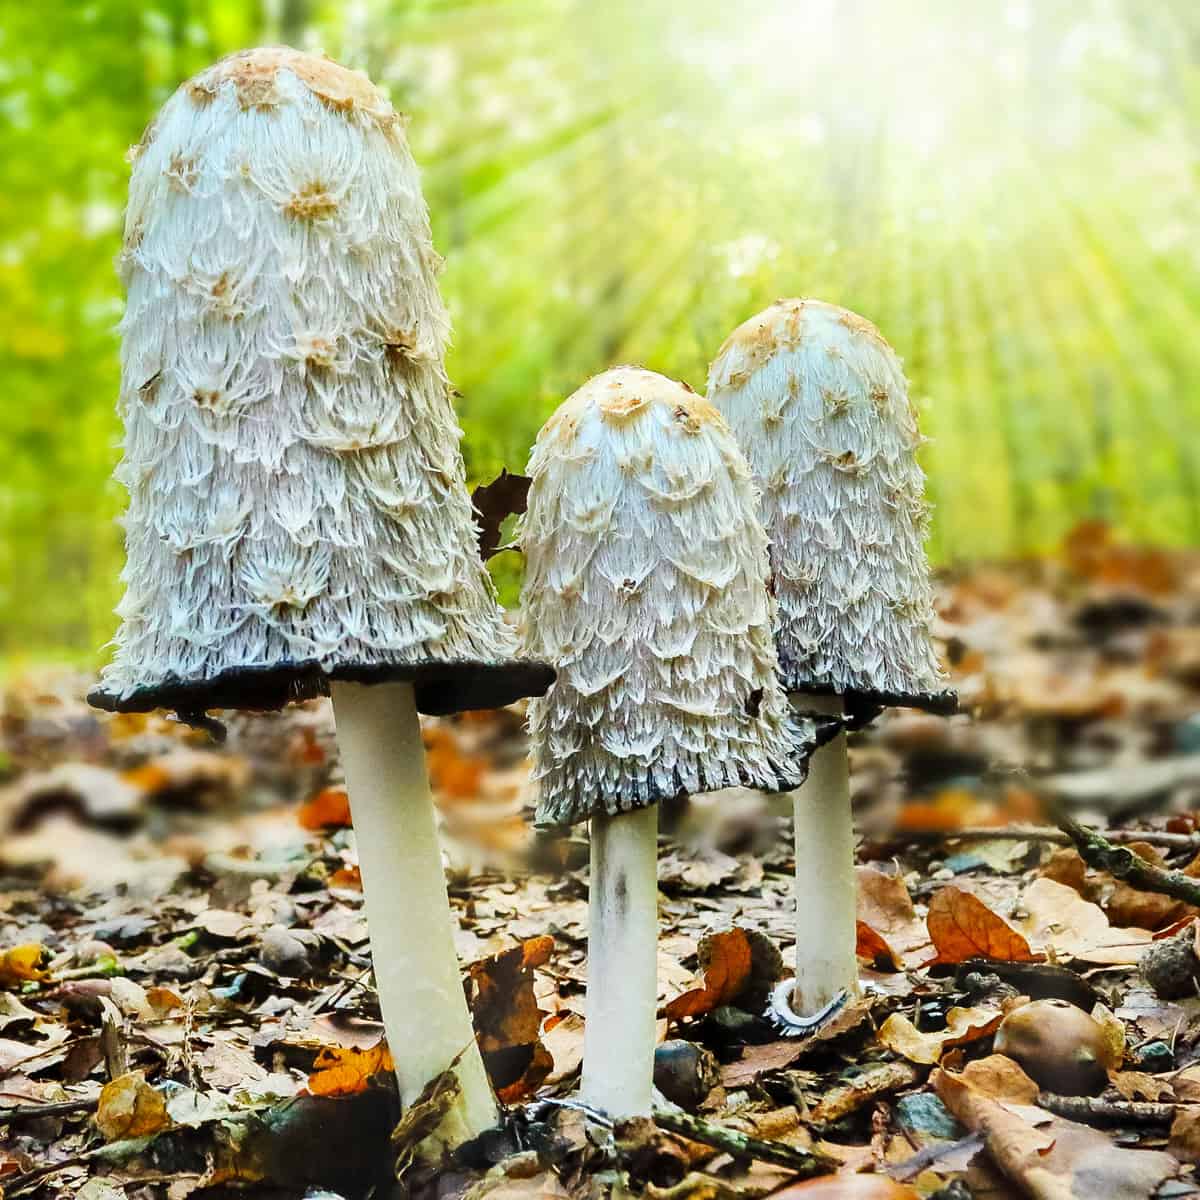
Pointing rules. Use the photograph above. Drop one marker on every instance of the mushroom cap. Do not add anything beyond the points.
(645, 586)
(819, 404)
(298, 509)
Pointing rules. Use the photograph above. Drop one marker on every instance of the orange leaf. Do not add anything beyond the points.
(961, 926)
(726, 959)
(347, 877)
(346, 1070)
(507, 1018)
(328, 809)
(871, 946)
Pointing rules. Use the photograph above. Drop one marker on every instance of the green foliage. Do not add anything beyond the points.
(1007, 190)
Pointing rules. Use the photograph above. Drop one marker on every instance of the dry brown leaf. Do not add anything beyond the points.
(885, 907)
(347, 1070)
(726, 959)
(1016, 1147)
(1056, 917)
(328, 809)
(23, 964)
(870, 947)
(962, 927)
(963, 1025)
(1184, 1141)
(1186, 1084)
(1057, 1159)
(508, 1020)
(1138, 1085)
(494, 503)
(130, 1108)
(1001, 1078)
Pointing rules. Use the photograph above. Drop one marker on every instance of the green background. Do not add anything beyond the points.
(1008, 189)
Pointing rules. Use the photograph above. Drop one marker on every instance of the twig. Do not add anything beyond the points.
(21, 1112)
(1047, 833)
(1089, 1110)
(741, 1145)
(18, 1183)
(1121, 862)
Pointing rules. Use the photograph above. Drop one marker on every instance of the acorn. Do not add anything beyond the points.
(685, 1073)
(1059, 1046)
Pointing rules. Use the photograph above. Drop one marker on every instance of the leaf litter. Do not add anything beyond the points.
(186, 1002)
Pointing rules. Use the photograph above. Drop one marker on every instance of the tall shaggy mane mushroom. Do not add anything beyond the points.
(297, 503)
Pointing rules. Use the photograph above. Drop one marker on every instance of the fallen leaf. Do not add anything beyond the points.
(1051, 1158)
(23, 964)
(1001, 1078)
(870, 947)
(1056, 917)
(349, 878)
(963, 1025)
(495, 502)
(962, 927)
(1184, 1141)
(885, 907)
(130, 1108)
(328, 809)
(508, 1020)
(726, 960)
(1138, 1085)
(346, 1070)
(1015, 1146)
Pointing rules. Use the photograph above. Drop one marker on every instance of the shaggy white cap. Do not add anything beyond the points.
(819, 403)
(645, 586)
(297, 503)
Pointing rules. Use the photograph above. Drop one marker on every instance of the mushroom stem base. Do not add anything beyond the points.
(826, 964)
(404, 894)
(622, 977)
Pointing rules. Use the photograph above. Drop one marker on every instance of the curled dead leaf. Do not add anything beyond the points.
(963, 1025)
(738, 965)
(130, 1108)
(507, 1018)
(872, 948)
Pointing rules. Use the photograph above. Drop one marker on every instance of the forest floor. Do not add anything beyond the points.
(186, 1006)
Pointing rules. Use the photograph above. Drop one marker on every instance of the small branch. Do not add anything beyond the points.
(23, 1112)
(1102, 855)
(741, 1145)
(1047, 833)
(1089, 1110)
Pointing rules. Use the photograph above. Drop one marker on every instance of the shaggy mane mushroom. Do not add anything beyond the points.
(298, 521)
(819, 404)
(645, 586)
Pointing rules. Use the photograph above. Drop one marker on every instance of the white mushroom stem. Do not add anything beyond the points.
(826, 964)
(622, 980)
(404, 893)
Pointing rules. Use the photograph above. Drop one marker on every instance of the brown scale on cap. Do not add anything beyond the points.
(253, 73)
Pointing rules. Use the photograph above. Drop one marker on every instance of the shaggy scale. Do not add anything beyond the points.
(297, 504)
(646, 587)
